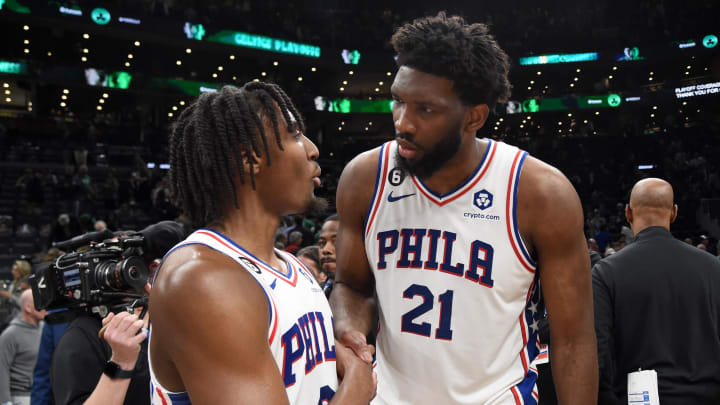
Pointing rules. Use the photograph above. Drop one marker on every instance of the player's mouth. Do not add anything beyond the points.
(406, 149)
(316, 178)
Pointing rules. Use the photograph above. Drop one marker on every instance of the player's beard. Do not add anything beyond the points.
(434, 159)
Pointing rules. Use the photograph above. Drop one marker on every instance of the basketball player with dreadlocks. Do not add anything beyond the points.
(454, 236)
(235, 321)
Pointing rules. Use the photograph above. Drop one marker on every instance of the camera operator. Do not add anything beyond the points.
(113, 369)
(87, 370)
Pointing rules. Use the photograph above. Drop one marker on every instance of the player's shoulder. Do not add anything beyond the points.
(196, 272)
(363, 167)
(357, 182)
(544, 184)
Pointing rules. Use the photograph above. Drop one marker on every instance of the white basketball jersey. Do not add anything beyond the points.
(300, 331)
(457, 290)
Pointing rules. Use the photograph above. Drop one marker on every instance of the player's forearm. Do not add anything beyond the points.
(351, 309)
(575, 370)
(109, 391)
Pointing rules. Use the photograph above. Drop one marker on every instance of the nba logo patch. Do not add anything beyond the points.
(483, 199)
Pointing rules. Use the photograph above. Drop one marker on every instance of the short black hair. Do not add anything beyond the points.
(464, 53)
(332, 217)
(209, 139)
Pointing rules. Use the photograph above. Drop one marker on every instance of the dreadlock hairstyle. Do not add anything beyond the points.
(464, 53)
(210, 138)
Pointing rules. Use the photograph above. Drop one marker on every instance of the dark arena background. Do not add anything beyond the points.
(608, 92)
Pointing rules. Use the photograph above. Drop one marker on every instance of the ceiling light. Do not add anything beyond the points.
(63, 97)
(26, 27)
(559, 122)
(529, 88)
(101, 101)
(377, 89)
(66, 91)
(275, 63)
(86, 36)
(232, 57)
(610, 77)
(572, 84)
(85, 50)
(684, 102)
(339, 128)
(130, 56)
(188, 50)
(501, 119)
(345, 82)
(689, 67)
(577, 70)
(652, 115)
(351, 73)
(220, 68)
(614, 67)
(649, 78)
(522, 126)
(62, 104)
(127, 64)
(178, 62)
(654, 107)
(170, 114)
(532, 81)
(26, 42)
(174, 108)
(389, 73)
(105, 95)
(99, 108)
(585, 122)
(381, 83)
(539, 73)
(597, 112)
(575, 79)
(214, 75)
(49, 53)
(370, 123)
(652, 73)
(342, 88)
(313, 69)
(26, 50)
(569, 114)
(84, 59)
(234, 77)
(687, 73)
(256, 80)
(299, 78)
(137, 43)
(7, 92)
(263, 74)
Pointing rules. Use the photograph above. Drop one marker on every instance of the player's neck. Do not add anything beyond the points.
(459, 168)
(252, 227)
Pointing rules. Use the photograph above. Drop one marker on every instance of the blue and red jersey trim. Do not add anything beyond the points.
(379, 186)
(516, 241)
(463, 188)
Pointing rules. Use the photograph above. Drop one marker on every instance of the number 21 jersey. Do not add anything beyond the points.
(457, 291)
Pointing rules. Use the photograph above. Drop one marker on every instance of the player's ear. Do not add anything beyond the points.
(475, 117)
(251, 162)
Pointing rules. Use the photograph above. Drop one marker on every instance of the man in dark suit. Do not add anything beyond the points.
(657, 306)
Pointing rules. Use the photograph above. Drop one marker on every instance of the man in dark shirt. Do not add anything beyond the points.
(656, 307)
(79, 373)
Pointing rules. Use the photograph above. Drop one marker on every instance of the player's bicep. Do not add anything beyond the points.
(563, 260)
(354, 197)
(219, 341)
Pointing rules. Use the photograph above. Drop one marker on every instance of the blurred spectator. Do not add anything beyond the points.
(100, 225)
(18, 352)
(294, 242)
(64, 228)
(310, 256)
(10, 298)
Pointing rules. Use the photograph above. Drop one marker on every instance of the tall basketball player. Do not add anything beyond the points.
(455, 235)
(235, 321)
